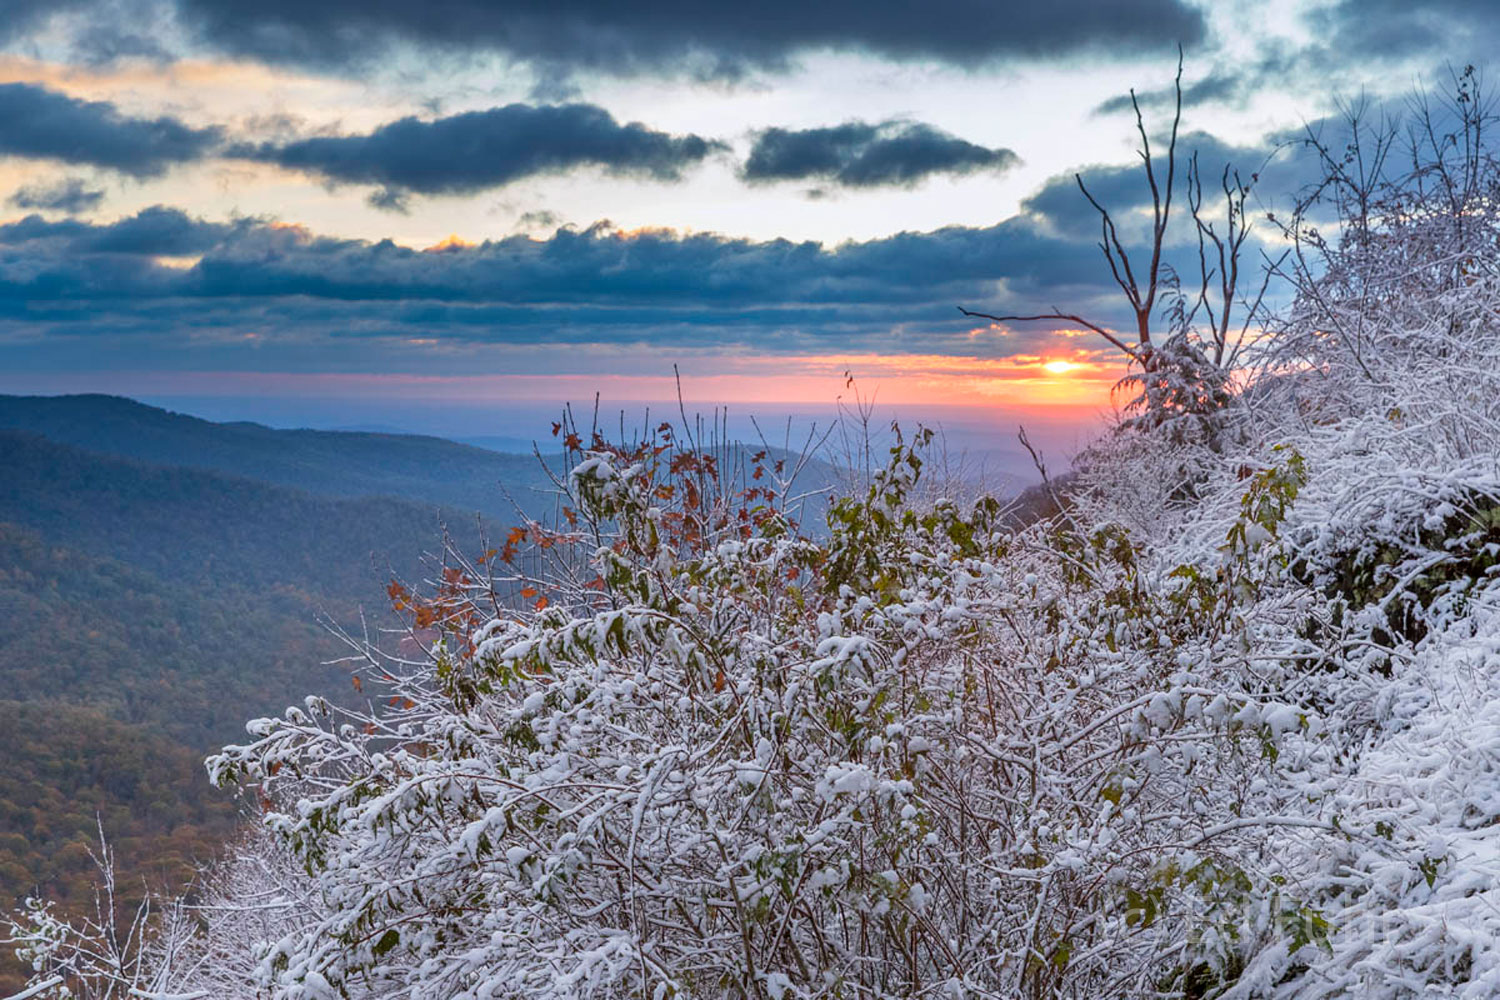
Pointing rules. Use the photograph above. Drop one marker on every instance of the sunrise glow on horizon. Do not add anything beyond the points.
(252, 195)
(1010, 384)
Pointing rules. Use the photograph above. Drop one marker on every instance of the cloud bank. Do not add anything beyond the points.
(859, 154)
(632, 36)
(289, 294)
(470, 152)
(42, 123)
(69, 195)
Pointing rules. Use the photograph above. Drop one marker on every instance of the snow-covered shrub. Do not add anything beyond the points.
(197, 946)
(922, 755)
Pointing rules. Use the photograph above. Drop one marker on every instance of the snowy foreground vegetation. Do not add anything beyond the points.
(1228, 724)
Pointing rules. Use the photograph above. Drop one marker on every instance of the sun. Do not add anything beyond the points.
(1059, 367)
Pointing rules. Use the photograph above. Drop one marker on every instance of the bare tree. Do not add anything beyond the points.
(1219, 262)
(1142, 290)
(1147, 280)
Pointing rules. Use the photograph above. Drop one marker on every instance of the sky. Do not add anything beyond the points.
(453, 215)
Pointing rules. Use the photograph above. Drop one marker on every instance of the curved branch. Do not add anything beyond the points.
(1071, 318)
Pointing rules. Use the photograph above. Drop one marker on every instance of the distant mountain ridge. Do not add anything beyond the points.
(209, 528)
(429, 470)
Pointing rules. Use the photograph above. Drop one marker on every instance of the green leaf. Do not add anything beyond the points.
(387, 941)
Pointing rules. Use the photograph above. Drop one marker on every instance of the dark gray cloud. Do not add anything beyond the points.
(1061, 206)
(1217, 89)
(662, 270)
(70, 195)
(540, 217)
(1456, 31)
(860, 154)
(96, 32)
(17, 17)
(37, 122)
(390, 200)
(104, 43)
(484, 149)
(154, 231)
(713, 38)
(60, 281)
(1276, 65)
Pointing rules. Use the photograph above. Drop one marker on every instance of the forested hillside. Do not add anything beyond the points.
(116, 679)
(172, 653)
(164, 578)
(428, 470)
(207, 528)
(70, 770)
(146, 607)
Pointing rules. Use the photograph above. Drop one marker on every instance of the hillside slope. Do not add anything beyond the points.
(209, 528)
(151, 608)
(328, 463)
(83, 629)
